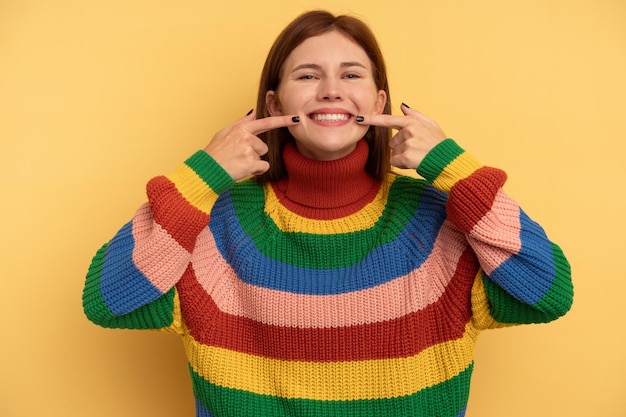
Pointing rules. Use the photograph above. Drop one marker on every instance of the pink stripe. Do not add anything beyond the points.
(399, 297)
(496, 236)
(156, 253)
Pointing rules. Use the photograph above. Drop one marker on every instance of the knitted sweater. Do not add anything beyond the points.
(323, 295)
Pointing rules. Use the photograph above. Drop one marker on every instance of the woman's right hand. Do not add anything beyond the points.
(238, 149)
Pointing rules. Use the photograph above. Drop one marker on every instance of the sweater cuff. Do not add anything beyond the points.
(201, 180)
(446, 164)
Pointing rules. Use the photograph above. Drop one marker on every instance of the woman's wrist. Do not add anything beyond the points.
(446, 164)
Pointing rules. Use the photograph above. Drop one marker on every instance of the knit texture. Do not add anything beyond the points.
(321, 295)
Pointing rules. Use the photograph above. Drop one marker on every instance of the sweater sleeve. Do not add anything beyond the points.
(524, 277)
(131, 280)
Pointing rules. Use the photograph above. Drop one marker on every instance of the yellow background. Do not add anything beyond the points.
(96, 97)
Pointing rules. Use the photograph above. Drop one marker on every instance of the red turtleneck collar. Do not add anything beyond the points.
(326, 189)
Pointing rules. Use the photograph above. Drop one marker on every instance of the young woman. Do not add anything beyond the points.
(304, 277)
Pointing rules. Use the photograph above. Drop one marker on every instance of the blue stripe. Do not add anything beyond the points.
(120, 277)
(382, 264)
(529, 274)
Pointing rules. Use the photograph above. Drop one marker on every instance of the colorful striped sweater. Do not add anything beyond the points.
(329, 293)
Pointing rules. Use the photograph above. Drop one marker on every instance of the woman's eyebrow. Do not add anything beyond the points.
(319, 67)
(353, 64)
(306, 66)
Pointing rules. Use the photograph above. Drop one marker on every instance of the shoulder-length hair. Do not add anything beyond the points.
(307, 25)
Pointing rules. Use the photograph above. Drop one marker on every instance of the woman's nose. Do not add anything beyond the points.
(330, 90)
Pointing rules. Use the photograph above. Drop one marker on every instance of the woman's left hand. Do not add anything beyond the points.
(416, 136)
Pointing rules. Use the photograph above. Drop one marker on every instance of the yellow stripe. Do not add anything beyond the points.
(193, 188)
(481, 315)
(177, 319)
(332, 381)
(290, 222)
(461, 167)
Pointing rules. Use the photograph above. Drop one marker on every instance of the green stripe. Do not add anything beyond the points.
(155, 315)
(505, 308)
(446, 399)
(210, 171)
(438, 159)
(554, 303)
(93, 304)
(404, 198)
(558, 299)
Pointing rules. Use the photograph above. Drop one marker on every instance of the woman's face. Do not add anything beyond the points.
(327, 80)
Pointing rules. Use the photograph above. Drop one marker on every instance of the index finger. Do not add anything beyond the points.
(265, 124)
(385, 120)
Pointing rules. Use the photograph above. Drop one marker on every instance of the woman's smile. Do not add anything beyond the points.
(331, 117)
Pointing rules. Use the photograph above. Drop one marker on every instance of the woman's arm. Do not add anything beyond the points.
(131, 279)
(525, 277)
(130, 282)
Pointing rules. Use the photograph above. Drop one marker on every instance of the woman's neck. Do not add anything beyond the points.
(326, 189)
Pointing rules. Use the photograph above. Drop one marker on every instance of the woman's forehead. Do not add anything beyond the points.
(330, 48)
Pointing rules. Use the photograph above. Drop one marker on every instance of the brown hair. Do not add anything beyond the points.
(305, 26)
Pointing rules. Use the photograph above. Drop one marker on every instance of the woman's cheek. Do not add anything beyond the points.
(296, 131)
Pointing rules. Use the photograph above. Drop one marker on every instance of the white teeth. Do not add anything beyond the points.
(330, 117)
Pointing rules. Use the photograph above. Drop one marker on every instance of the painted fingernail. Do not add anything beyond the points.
(406, 105)
(295, 119)
(360, 118)
(250, 112)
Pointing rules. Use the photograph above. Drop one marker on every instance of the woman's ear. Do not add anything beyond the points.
(381, 100)
(272, 103)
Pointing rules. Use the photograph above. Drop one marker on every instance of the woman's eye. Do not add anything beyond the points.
(352, 76)
(306, 77)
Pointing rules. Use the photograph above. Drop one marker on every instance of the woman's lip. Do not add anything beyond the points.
(330, 121)
(330, 110)
(330, 116)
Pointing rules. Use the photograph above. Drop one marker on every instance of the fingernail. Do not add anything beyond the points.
(295, 119)
(250, 112)
(360, 118)
(406, 105)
